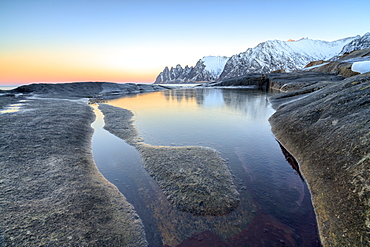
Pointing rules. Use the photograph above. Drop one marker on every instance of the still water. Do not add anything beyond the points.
(275, 207)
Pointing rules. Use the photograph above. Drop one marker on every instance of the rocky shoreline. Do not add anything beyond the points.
(326, 127)
(323, 120)
(51, 191)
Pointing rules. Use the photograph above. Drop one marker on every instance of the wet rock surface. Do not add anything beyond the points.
(51, 191)
(327, 131)
(195, 179)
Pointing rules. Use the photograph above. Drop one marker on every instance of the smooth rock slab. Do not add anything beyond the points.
(195, 179)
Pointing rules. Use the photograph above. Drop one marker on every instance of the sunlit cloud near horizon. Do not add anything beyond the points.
(122, 41)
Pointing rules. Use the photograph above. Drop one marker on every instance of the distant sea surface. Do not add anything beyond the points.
(8, 87)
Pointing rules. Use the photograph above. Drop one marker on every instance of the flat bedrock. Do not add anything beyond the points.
(51, 191)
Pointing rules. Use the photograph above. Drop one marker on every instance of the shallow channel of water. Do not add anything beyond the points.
(275, 207)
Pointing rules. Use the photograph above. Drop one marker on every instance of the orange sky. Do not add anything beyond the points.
(49, 66)
(132, 41)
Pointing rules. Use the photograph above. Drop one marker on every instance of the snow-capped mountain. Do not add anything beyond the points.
(266, 57)
(207, 69)
(282, 55)
(357, 44)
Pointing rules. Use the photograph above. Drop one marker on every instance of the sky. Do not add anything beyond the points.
(132, 41)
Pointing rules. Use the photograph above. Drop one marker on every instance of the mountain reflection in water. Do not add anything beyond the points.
(275, 207)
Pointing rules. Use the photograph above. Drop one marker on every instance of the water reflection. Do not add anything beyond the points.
(12, 108)
(291, 160)
(275, 205)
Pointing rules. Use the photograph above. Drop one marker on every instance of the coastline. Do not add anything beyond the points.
(52, 193)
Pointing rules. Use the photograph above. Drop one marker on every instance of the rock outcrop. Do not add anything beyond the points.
(285, 82)
(327, 131)
(96, 90)
(341, 65)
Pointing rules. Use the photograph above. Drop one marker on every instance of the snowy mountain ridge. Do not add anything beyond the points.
(275, 55)
(268, 56)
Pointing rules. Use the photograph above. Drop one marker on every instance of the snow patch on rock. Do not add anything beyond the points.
(361, 67)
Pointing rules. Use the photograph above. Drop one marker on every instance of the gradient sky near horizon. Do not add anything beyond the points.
(132, 41)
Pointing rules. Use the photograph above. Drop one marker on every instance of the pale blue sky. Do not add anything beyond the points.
(148, 35)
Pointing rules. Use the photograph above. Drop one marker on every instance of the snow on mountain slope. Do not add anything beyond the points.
(282, 55)
(357, 44)
(215, 64)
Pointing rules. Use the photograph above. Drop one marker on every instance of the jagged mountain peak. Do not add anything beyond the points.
(359, 43)
(207, 69)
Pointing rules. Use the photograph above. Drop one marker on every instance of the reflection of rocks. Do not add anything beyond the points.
(184, 94)
(195, 179)
(327, 131)
(250, 103)
(291, 160)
